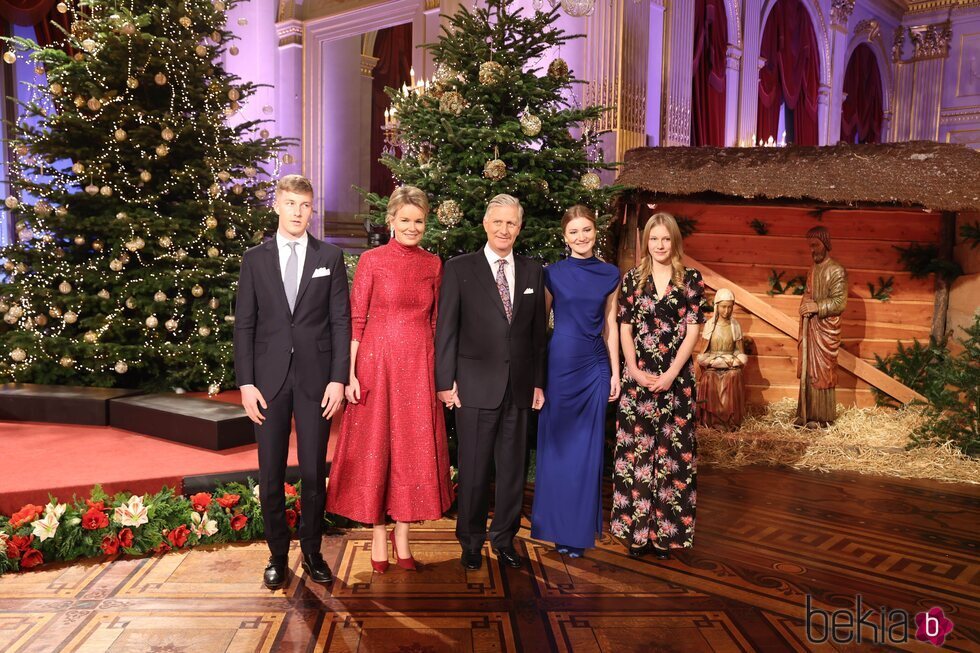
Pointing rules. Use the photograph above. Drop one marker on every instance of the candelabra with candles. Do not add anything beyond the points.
(394, 142)
(770, 142)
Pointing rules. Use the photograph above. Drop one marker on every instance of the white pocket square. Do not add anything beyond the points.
(321, 272)
(529, 291)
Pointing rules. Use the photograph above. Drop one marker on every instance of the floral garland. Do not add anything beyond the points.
(136, 525)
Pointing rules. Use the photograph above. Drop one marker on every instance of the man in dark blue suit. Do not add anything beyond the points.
(292, 358)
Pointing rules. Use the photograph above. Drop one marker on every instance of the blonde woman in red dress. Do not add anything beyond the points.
(392, 458)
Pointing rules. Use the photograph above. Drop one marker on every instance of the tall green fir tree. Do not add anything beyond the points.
(492, 121)
(134, 197)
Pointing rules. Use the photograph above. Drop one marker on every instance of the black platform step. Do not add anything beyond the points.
(189, 420)
(65, 404)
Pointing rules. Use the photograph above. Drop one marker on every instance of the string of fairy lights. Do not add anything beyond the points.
(172, 53)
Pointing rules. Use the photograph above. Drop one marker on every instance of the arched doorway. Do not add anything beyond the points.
(862, 110)
(708, 95)
(789, 80)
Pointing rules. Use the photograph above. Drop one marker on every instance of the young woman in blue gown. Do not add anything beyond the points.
(583, 377)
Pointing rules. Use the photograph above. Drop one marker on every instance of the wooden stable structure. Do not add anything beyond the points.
(751, 208)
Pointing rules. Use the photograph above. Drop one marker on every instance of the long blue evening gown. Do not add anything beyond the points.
(567, 506)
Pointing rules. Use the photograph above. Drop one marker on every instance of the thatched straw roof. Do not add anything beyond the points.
(923, 174)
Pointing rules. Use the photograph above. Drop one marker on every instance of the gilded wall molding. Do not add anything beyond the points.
(869, 27)
(840, 11)
(931, 41)
(290, 32)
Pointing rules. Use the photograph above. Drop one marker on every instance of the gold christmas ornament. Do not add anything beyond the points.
(132, 82)
(495, 169)
(162, 150)
(54, 311)
(214, 303)
(449, 213)
(22, 269)
(233, 50)
(214, 190)
(4, 307)
(64, 287)
(234, 106)
(78, 167)
(43, 209)
(67, 362)
(264, 133)
(243, 21)
(452, 102)
(185, 21)
(28, 325)
(18, 355)
(250, 171)
(288, 158)
(530, 123)
(40, 320)
(104, 294)
(79, 101)
(167, 134)
(152, 322)
(79, 240)
(94, 104)
(145, 176)
(230, 319)
(204, 331)
(128, 29)
(130, 303)
(181, 254)
(120, 134)
(234, 94)
(121, 367)
(61, 211)
(62, 8)
(230, 233)
(124, 257)
(591, 181)
(56, 89)
(491, 73)
(543, 185)
(89, 45)
(558, 69)
(216, 36)
(164, 242)
(70, 317)
(122, 215)
(160, 79)
(22, 149)
(237, 189)
(219, 5)
(444, 74)
(197, 290)
(90, 337)
(92, 189)
(224, 175)
(47, 238)
(179, 300)
(171, 324)
(201, 51)
(9, 319)
(106, 191)
(260, 194)
(11, 202)
(115, 265)
(211, 222)
(213, 252)
(159, 296)
(16, 311)
(10, 57)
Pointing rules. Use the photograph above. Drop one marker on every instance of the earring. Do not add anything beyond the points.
(392, 232)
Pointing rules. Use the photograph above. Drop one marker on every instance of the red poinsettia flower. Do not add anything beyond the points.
(238, 522)
(94, 519)
(13, 552)
(228, 500)
(178, 536)
(290, 490)
(126, 538)
(25, 515)
(201, 501)
(110, 545)
(22, 542)
(291, 517)
(95, 505)
(162, 547)
(31, 558)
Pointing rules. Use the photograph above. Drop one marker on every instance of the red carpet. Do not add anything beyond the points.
(39, 458)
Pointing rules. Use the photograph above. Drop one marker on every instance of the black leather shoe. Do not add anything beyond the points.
(509, 557)
(660, 554)
(275, 573)
(316, 568)
(471, 560)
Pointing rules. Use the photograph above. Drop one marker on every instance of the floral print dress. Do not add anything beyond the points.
(655, 468)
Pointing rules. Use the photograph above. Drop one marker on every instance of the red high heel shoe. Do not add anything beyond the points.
(405, 563)
(380, 567)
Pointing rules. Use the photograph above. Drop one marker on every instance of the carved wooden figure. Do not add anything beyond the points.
(721, 390)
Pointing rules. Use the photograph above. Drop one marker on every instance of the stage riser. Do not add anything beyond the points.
(188, 420)
(29, 402)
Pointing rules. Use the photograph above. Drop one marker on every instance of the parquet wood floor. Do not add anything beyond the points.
(766, 540)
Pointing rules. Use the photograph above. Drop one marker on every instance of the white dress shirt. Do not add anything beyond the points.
(283, 244)
(492, 258)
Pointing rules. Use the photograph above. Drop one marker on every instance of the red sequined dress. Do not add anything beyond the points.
(392, 456)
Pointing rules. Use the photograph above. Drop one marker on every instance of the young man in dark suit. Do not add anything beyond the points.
(490, 350)
(292, 358)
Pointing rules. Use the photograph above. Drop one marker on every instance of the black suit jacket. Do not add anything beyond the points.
(317, 333)
(475, 345)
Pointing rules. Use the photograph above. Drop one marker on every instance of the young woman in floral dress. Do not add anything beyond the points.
(661, 308)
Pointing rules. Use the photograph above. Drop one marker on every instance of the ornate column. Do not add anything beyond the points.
(368, 62)
(749, 81)
(654, 118)
(823, 113)
(930, 45)
(289, 91)
(901, 125)
(840, 14)
(679, 56)
(733, 63)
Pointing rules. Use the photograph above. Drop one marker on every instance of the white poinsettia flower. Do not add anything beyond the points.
(132, 513)
(255, 493)
(46, 528)
(57, 509)
(202, 525)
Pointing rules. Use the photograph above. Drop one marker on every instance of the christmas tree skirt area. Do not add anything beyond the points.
(62, 459)
(865, 440)
(61, 404)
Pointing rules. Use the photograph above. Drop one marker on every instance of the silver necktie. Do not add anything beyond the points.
(289, 276)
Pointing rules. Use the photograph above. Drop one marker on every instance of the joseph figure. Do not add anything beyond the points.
(821, 307)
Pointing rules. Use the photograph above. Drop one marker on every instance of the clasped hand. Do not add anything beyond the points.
(654, 382)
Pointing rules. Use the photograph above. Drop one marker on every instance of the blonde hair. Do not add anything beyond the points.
(503, 199)
(645, 268)
(407, 196)
(295, 184)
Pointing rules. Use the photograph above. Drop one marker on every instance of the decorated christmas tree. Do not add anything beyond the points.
(494, 120)
(133, 199)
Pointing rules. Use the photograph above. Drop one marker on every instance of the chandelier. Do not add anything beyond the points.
(577, 8)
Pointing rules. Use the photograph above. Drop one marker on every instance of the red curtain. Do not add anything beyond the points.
(790, 75)
(40, 14)
(861, 113)
(393, 48)
(708, 97)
